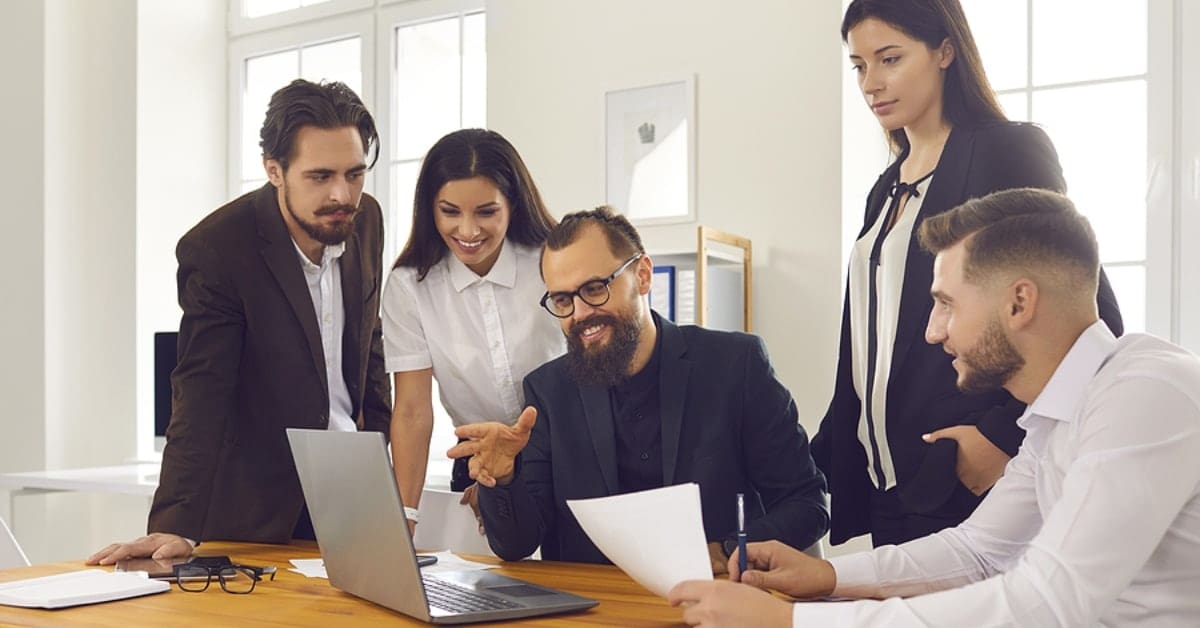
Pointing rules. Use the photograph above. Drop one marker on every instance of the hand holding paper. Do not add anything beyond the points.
(655, 536)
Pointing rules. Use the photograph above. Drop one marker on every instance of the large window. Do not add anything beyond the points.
(1089, 91)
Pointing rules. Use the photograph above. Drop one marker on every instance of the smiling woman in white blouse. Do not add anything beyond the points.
(461, 301)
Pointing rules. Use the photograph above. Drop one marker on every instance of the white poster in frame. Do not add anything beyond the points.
(650, 152)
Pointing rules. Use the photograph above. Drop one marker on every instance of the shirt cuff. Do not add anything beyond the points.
(856, 575)
(830, 614)
(190, 542)
(405, 363)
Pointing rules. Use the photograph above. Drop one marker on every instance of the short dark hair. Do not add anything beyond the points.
(466, 154)
(324, 105)
(1022, 229)
(623, 239)
(967, 96)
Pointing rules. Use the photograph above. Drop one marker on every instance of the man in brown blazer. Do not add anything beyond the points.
(280, 296)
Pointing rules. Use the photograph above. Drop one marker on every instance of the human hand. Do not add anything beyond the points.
(773, 565)
(980, 462)
(725, 603)
(471, 498)
(717, 559)
(158, 546)
(412, 528)
(493, 447)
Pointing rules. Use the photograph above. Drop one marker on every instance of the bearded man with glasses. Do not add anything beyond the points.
(639, 403)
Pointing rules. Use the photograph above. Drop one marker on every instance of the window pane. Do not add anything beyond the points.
(264, 75)
(1001, 31)
(474, 78)
(259, 8)
(427, 86)
(334, 61)
(1015, 105)
(1079, 40)
(1103, 159)
(1129, 284)
(404, 183)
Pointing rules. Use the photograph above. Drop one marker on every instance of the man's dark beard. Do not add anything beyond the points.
(328, 235)
(607, 364)
(991, 362)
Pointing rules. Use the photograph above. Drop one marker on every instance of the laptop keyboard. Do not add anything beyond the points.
(458, 599)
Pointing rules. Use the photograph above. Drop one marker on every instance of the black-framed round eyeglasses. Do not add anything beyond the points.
(195, 576)
(595, 293)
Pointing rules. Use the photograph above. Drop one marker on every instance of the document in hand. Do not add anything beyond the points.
(655, 536)
(87, 586)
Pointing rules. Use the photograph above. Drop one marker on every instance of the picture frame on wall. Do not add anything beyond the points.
(650, 152)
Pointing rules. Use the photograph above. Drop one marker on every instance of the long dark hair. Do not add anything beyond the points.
(967, 97)
(467, 154)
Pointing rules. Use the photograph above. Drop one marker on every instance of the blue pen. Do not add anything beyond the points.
(741, 506)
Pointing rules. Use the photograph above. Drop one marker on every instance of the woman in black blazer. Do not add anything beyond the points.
(920, 72)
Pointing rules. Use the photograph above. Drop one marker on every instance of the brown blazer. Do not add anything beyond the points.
(251, 365)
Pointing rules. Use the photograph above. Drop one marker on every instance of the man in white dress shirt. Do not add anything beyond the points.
(1097, 519)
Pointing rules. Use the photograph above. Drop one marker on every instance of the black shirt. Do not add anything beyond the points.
(638, 427)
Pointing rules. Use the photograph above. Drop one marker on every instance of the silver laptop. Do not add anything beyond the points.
(361, 530)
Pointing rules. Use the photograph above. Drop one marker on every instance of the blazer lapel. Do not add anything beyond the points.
(674, 372)
(944, 192)
(597, 407)
(279, 253)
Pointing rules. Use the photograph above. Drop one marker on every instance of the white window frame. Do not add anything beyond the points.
(239, 24)
(392, 16)
(360, 25)
(1185, 169)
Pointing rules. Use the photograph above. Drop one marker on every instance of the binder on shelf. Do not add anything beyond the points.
(662, 291)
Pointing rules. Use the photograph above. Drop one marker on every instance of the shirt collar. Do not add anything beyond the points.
(1063, 394)
(332, 252)
(503, 273)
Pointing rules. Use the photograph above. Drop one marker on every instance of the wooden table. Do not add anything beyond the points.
(295, 600)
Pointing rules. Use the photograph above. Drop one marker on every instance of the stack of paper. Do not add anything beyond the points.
(655, 536)
(73, 588)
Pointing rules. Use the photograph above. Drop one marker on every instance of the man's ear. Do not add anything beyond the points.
(1021, 303)
(645, 274)
(274, 172)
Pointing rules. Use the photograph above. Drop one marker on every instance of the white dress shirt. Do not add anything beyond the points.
(481, 335)
(325, 288)
(889, 285)
(1095, 522)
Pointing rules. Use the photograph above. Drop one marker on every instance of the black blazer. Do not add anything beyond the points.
(251, 365)
(727, 424)
(922, 395)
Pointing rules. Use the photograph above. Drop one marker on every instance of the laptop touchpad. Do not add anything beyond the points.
(521, 590)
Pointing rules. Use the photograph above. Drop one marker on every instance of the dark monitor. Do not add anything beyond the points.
(165, 343)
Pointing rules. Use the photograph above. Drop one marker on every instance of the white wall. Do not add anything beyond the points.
(181, 137)
(23, 332)
(768, 135)
(100, 82)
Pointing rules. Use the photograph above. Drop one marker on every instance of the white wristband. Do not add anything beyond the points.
(411, 514)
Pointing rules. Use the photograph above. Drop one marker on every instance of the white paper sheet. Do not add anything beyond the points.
(655, 536)
(447, 561)
(447, 524)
